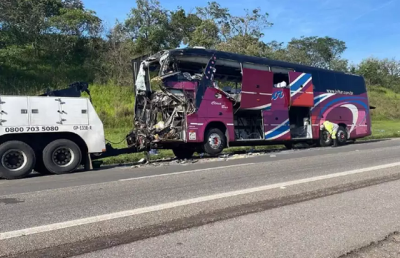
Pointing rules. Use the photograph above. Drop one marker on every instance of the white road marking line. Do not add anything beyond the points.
(122, 214)
(185, 172)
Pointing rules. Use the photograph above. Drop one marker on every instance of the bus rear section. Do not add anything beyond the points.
(207, 102)
(343, 99)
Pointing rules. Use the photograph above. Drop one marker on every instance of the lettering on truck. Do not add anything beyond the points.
(23, 129)
(32, 129)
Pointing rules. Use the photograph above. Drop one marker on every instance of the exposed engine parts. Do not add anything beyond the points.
(160, 114)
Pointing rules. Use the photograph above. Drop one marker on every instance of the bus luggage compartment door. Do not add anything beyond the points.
(277, 125)
(301, 89)
(256, 89)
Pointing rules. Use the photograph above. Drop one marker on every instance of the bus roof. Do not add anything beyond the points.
(248, 59)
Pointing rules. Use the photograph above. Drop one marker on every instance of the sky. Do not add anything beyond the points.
(370, 28)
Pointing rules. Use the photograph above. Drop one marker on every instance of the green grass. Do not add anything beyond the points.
(385, 129)
(115, 104)
(386, 103)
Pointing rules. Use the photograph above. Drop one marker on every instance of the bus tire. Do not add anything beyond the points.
(324, 139)
(183, 153)
(341, 136)
(214, 142)
(62, 156)
(17, 160)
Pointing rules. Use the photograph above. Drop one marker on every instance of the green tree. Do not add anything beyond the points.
(46, 42)
(213, 27)
(385, 72)
(116, 53)
(182, 26)
(245, 33)
(253, 24)
(319, 52)
(205, 35)
(147, 24)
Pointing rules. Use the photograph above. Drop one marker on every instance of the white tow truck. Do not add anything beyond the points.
(52, 133)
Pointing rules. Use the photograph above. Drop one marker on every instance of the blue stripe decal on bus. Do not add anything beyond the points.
(304, 78)
(277, 131)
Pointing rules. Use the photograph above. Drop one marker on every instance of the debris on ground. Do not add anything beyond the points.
(201, 158)
(142, 161)
(223, 157)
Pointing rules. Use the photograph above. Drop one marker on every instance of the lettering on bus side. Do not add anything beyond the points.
(340, 92)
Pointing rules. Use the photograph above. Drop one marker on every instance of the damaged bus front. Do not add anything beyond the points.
(163, 103)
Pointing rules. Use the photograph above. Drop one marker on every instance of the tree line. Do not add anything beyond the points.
(51, 43)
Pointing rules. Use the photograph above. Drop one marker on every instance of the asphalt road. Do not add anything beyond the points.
(302, 203)
(325, 227)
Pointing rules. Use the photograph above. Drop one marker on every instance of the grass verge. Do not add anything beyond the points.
(385, 129)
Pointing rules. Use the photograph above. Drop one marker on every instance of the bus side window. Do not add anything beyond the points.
(281, 80)
(281, 77)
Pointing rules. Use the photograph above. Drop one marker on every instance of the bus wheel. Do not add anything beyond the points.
(214, 142)
(17, 160)
(62, 156)
(183, 153)
(341, 135)
(325, 139)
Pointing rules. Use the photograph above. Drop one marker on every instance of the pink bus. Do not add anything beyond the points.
(206, 100)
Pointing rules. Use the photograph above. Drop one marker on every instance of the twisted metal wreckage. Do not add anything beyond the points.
(160, 115)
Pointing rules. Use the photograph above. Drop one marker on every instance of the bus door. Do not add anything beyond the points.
(276, 119)
(301, 89)
(256, 89)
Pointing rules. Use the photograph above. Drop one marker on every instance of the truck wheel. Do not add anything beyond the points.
(62, 156)
(17, 160)
(214, 142)
(341, 135)
(183, 153)
(325, 139)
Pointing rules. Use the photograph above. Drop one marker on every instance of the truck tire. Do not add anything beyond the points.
(62, 156)
(183, 153)
(324, 139)
(341, 136)
(214, 142)
(17, 160)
